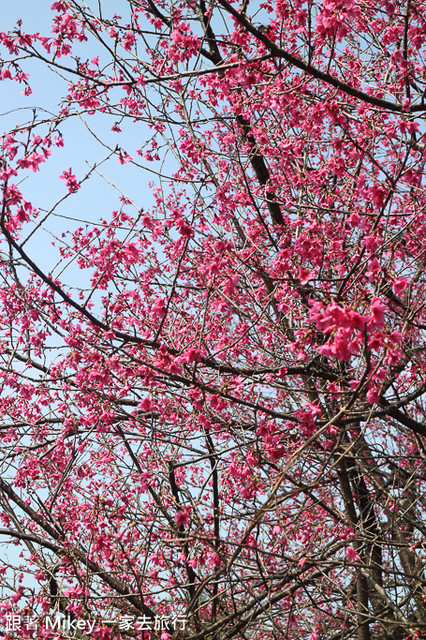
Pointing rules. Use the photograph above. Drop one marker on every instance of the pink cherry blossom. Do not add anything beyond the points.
(71, 181)
(352, 555)
(212, 357)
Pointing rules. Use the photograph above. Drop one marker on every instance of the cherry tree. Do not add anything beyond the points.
(212, 415)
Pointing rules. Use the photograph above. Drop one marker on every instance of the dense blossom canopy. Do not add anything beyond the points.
(213, 396)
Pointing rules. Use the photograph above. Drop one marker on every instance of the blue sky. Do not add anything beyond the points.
(97, 198)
